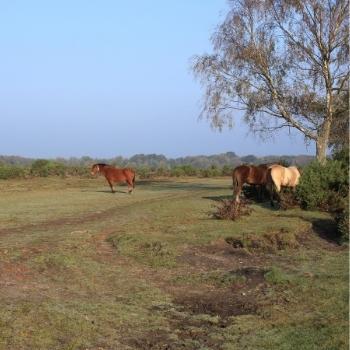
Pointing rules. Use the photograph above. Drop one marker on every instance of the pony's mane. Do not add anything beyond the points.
(101, 164)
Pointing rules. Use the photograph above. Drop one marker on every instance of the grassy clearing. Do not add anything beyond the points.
(81, 268)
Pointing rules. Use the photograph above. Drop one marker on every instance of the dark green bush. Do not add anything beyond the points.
(342, 220)
(323, 186)
(327, 187)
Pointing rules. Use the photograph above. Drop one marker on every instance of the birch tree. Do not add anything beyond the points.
(283, 62)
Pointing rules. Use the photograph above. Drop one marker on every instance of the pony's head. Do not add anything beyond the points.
(96, 168)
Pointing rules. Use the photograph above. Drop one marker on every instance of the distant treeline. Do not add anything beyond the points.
(146, 165)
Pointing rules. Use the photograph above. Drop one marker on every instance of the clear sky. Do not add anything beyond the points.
(106, 78)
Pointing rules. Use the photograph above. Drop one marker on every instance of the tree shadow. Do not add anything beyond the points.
(178, 185)
(218, 198)
(324, 228)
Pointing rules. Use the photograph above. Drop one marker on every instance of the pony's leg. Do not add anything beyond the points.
(238, 192)
(270, 189)
(130, 187)
(277, 193)
(259, 192)
(111, 185)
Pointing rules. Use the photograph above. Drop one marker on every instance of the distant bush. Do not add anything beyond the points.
(226, 170)
(210, 172)
(162, 172)
(144, 172)
(189, 170)
(11, 172)
(44, 168)
(177, 172)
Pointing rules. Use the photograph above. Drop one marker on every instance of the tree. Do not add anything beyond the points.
(283, 62)
(339, 136)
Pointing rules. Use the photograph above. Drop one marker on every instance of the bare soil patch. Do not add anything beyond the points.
(218, 255)
(241, 298)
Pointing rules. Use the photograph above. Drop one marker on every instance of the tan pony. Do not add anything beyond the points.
(279, 176)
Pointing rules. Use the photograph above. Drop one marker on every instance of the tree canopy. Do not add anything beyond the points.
(283, 62)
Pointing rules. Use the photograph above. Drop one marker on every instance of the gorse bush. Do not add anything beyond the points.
(323, 186)
(342, 221)
(326, 187)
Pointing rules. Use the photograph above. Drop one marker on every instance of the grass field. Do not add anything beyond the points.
(81, 268)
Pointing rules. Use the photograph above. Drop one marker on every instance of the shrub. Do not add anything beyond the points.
(144, 172)
(231, 210)
(177, 171)
(227, 170)
(323, 186)
(40, 168)
(162, 171)
(342, 221)
(189, 170)
(11, 172)
(44, 168)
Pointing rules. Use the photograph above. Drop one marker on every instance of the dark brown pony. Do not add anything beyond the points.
(113, 175)
(248, 174)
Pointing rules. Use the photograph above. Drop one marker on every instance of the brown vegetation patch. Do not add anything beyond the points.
(200, 261)
(185, 333)
(231, 210)
(154, 339)
(268, 242)
(288, 199)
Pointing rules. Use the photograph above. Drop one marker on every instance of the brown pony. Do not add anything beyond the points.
(248, 174)
(113, 174)
(279, 176)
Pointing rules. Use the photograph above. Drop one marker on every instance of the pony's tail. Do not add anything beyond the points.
(270, 185)
(133, 180)
(234, 184)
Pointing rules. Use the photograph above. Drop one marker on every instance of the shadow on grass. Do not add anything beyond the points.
(265, 204)
(179, 185)
(218, 198)
(106, 191)
(325, 228)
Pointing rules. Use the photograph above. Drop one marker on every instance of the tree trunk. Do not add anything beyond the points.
(325, 130)
(322, 142)
(321, 147)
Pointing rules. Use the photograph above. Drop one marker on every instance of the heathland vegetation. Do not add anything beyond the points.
(146, 165)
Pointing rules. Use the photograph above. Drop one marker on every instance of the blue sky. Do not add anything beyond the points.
(107, 78)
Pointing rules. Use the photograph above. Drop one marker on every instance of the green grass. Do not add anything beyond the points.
(82, 268)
